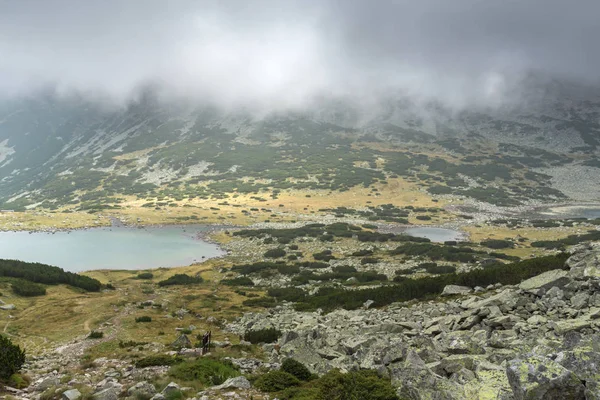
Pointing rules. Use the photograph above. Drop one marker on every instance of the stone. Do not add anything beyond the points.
(450, 290)
(142, 390)
(8, 307)
(47, 383)
(537, 320)
(170, 388)
(539, 378)
(72, 394)
(106, 394)
(368, 304)
(239, 382)
(580, 300)
(182, 342)
(585, 262)
(554, 278)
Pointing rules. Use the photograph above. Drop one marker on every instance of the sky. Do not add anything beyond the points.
(287, 53)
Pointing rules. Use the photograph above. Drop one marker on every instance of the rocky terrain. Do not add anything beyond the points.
(535, 340)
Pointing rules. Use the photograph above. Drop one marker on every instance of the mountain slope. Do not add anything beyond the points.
(60, 151)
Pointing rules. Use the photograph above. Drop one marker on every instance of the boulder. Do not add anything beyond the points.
(8, 307)
(182, 342)
(72, 394)
(47, 383)
(142, 390)
(170, 389)
(106, 394)
(580, 300)
(239, 382)
(539, 378)
(450, 290)
(554, 278)
(585, 261)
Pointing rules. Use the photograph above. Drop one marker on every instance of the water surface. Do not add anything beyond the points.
(435, 234)
(110, 248)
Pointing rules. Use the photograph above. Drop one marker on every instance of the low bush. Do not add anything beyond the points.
(145, 275)
(144, 318)
(266, 302)
(157, 360)
(275, 253)
(28, 289)
(363, 384)
(96, 335)
(296, 368)
(181, 279)
(276, 381)
(268, 335)
(239, 281)
(206, 370)
(497, 244)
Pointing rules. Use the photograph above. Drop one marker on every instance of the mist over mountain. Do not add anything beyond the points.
(125, 98)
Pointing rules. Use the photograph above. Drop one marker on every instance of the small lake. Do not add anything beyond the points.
(435, 234)
(111, 248)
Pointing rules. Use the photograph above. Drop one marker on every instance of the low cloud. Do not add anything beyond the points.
(278, 55)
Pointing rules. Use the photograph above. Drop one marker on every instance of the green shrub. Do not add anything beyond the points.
(363, 385)
(144, 318)
(275, 253)
(239, 281)
(296, 368)
(207, 371)
(145, 275)
(12, 358)
(28, 289)
(268, 335)
(275, 381)
(497, 244)
(266, 302)
(157, 360)
(181, 279)
(19, 381)
(96, 335)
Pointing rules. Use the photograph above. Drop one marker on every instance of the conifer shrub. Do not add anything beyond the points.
(181, 279)
(144, 318)
(268, 335)
(28, 289)
(296, 368)
(12, 358)
(275, 381)
(96, 335)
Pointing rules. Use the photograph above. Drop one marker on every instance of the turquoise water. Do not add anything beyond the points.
(110, 248)
(435, 234)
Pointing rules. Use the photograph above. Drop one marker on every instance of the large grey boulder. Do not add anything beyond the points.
(182, 342)
(142, 390)
(539, 378)
(239, 382)
(554, 278)
(450, 290)
(585, 261)
(72, 394)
